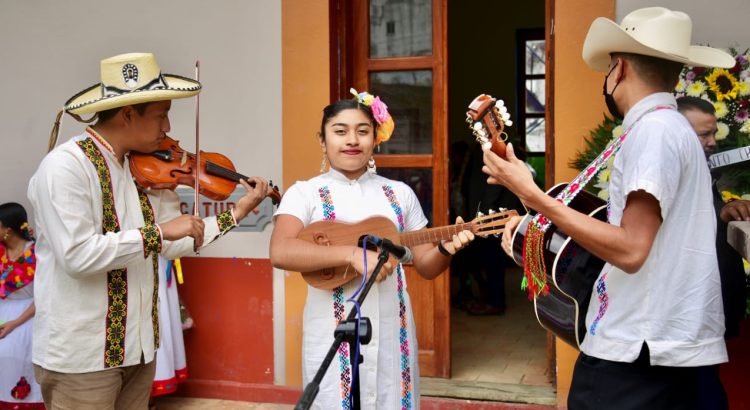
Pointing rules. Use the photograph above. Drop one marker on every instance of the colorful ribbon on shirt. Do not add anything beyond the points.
(535, 275)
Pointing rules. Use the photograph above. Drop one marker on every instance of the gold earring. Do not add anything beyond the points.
(324, 164)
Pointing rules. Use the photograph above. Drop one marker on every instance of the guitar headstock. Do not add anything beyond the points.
(493, 223)
(487, 118)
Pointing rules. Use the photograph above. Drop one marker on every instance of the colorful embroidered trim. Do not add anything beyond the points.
(149, 219)
(406, 388)
(4, 405)
(151, 239)
(117, 280)
(535, 274)
(162, 387)
(14, 275)
(327, 203)
(226, 222)
(345, 369)
(601, 291)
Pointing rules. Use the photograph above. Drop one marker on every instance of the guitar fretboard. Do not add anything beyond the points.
(433, 234)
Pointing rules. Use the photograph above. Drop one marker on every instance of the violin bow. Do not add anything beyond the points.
(196, 211)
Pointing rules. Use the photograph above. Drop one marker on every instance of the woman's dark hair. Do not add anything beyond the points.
(13, 216)
(341, 105)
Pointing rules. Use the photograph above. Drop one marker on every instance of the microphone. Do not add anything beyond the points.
(401, 253)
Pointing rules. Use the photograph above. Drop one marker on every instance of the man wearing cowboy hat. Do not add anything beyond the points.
(96, 328)
(656, 313)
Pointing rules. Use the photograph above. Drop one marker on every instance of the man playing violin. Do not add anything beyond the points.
(96, 329)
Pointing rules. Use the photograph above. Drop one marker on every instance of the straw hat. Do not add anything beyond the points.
(651, 31)
(129, 79)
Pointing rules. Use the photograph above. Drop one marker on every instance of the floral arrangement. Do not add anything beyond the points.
(729, 92)
(379, 111)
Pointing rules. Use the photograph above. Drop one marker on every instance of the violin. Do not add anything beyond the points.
(170, 166)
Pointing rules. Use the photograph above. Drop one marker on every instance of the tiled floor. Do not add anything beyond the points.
(500, 349)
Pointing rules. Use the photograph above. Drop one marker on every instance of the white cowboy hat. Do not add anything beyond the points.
(651, 31)
(129, 79)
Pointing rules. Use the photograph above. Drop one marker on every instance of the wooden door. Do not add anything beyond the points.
(397, 50)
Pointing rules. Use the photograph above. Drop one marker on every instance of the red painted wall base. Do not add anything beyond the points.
(735, 375)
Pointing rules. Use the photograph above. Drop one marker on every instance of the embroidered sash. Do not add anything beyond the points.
(406, 388)
(117, 279)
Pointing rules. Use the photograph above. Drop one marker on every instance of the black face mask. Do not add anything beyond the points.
(608, 99)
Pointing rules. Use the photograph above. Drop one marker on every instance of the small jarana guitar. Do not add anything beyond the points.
(340, 233)
(571, 270)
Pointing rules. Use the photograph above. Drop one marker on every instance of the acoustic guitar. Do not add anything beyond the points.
(341, 233)
(571, 269)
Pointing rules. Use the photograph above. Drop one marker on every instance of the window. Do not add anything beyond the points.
(531, 98)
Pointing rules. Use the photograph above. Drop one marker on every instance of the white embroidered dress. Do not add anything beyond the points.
(389, 376)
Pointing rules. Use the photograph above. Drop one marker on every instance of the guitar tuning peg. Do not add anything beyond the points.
(477, 126)
(496, 235)
(506, 116)
(508, 123)
(491, 211)
(499, 103)
(502, 110)
(468, 119)
(479, 214)
(502, 209)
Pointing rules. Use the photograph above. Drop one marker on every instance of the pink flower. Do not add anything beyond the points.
(379, 110)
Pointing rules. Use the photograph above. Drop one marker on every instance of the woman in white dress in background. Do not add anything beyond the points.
(18, 387)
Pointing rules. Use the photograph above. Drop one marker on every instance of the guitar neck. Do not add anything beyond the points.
(433, 234)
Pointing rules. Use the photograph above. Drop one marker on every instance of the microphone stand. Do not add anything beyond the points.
(346, 331)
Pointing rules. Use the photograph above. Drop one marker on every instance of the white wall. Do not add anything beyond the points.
(718, 23)
(50, 50)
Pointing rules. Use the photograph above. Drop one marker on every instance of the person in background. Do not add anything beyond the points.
(18, 386)
(702, 117)
(171, 364)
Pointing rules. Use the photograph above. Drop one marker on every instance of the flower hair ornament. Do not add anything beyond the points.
(379, 111)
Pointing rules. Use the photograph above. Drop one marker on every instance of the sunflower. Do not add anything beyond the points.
(723, 84)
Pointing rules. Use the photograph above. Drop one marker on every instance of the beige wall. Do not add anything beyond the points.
(51, 49)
